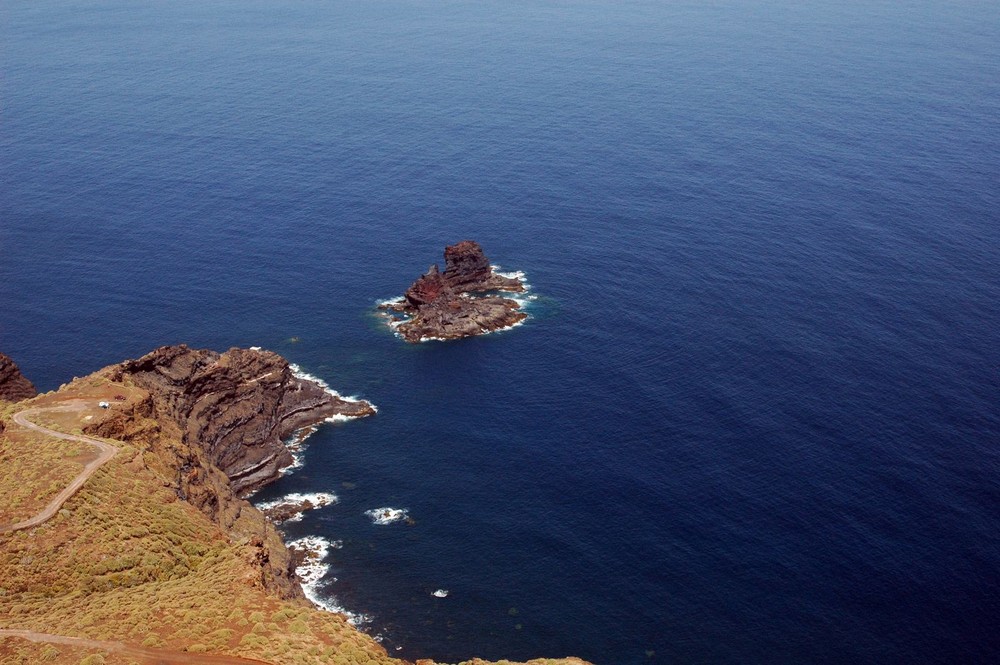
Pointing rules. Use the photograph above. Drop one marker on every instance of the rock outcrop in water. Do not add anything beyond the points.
(13, 385)
(441, 305)
(237, 406)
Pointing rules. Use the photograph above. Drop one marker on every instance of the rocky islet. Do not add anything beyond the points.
(457, 302)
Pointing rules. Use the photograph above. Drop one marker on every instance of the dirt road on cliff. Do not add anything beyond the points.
(105, 452)
(157, 656)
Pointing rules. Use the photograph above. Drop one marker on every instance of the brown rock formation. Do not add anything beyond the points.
(428, 288)
(13, 386)
(236, 406)
(465, 265)
(440, 305)
(210, 426)
(467, 270)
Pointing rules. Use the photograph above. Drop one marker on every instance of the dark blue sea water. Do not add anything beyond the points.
(754, 415)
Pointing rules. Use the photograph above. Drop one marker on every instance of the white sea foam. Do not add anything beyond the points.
(255, 348)
(522, 299)
(340, 418)
(390, 301)
(313, 571)
(298, 461)
(387, 515)
(516, 274)
(299, 373)
(440, 593)
(317, 499)
(519, 275)
(296, 445)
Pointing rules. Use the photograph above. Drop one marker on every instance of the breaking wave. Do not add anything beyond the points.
(317, 499)
(387, 515)
(299, 373)
(313, 571)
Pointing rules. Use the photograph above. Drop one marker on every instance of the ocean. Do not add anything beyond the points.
(753, 416)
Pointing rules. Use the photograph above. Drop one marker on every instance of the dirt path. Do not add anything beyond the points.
(105, 452)
(158, 656)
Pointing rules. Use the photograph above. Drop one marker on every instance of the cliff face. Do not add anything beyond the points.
(466, 268)
(210, 426)
(135, 542)
(429, 287)
(237, 406)
(13, 385)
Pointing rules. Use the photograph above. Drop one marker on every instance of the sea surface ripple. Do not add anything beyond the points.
(753, 416)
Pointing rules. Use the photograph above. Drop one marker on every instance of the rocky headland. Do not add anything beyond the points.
(158, 554)
(238, 406)
(458, 302)
(212, 426)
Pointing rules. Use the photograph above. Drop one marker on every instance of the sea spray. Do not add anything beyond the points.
(383, 516)
(295, 505)
(313, 574)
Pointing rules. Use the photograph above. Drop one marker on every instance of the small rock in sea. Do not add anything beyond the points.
(457, 302)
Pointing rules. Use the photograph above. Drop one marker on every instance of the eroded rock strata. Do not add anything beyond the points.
(210, 426)
(238, 405)
(444, 305)
(132, 528)
(13, 385)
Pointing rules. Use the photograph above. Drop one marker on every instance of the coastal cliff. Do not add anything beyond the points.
(158, 555)
(212, 427)
(14, 387)
(237, 406)
(448, 304)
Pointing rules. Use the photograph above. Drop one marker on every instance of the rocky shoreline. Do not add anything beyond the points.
(457, 302)
(214, 425)
(238, 406)
(207, 428)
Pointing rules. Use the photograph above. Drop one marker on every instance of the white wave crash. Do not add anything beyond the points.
(299, 503)
(312, 573)
(385, 516)
(299, 373)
